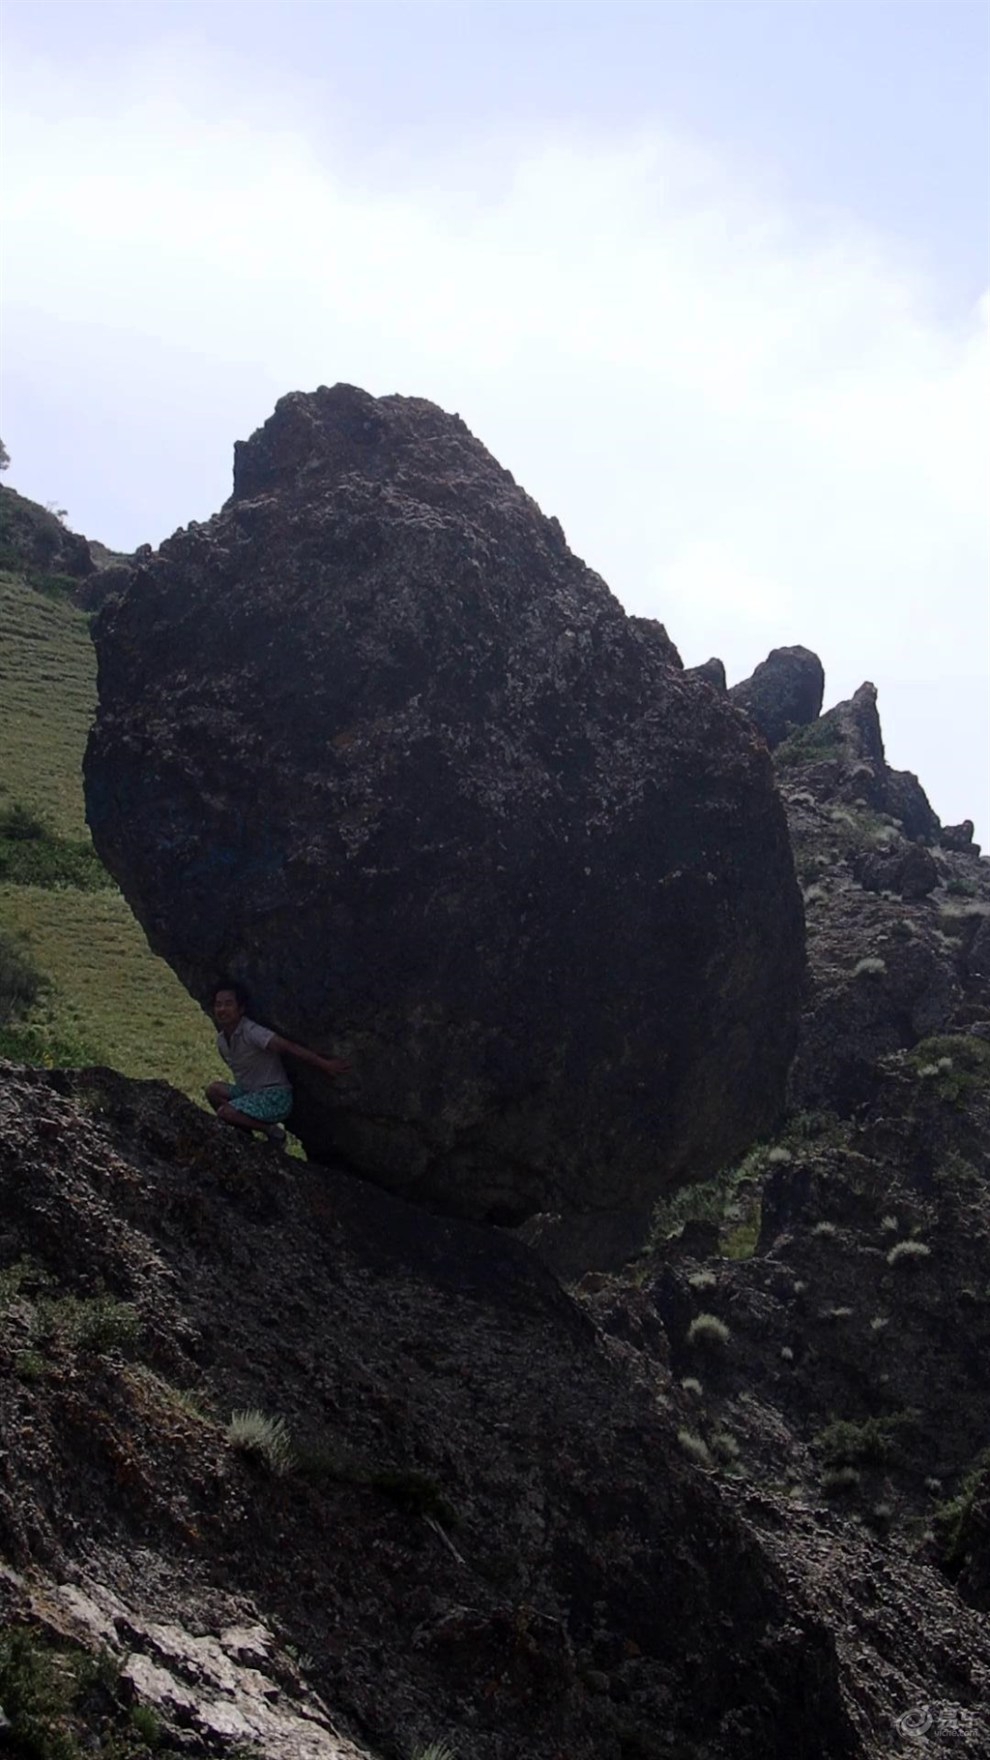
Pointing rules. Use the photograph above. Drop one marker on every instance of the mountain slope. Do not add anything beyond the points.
(108, 998)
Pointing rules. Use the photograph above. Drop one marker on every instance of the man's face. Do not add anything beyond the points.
(227, 1011)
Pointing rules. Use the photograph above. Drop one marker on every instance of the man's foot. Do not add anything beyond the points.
(275, 1134)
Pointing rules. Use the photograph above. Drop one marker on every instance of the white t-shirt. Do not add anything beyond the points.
(247, 1053)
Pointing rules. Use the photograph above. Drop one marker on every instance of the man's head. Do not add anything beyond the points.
(229, 1004)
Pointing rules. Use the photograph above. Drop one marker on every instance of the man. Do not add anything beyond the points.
(260, 1096)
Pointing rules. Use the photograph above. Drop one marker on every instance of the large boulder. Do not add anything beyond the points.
(784, 693)
(374, 740)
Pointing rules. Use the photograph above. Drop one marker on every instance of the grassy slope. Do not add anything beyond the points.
(110, 996)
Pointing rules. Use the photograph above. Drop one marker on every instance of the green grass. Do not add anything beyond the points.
(109, 992)
(107, 998)
(47, 701)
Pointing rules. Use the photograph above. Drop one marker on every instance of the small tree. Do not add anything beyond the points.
(4, 457)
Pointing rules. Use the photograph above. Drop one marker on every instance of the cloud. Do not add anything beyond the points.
(748, 417)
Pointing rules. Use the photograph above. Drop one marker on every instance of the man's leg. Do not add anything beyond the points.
(230, 1115)
(218, 1093)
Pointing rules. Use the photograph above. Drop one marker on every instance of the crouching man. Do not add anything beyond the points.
(260, 1096)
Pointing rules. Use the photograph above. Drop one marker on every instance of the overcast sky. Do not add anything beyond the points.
(709, 277)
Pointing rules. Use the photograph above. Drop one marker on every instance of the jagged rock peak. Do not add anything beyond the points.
(711, 672)
(784, 693)
(376, 741)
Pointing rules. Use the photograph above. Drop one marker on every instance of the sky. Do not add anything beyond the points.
(710, 277)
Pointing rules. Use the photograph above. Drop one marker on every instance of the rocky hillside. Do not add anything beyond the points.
(292, 1466)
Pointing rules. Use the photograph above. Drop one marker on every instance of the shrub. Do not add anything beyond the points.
(20, 825)
(846, 1443)
(908, 1253)
(786, 1354)
(692, 1385)
(20, 980)
(88, 1323)
(869, 968)
(32, 855)
(435, 1751)
(958, 1063)
(265, 1439)
(809, 745)
(825, 1230)
(725, 1445)
(953, 1521)
(703, 1279)
(839, 1480)
(708, 1329)
(695, 1446)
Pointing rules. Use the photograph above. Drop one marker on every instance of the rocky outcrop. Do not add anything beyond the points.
(710, 672)
(959, 837)
(376, 741)
(892, 925)
(784, 693)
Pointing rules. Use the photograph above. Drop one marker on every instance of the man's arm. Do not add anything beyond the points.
(331, 1066)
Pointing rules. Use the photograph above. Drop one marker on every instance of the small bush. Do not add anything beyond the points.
(265, 1439)
(725, 1446)
(958, 1064)
(21, 982)
(703, 1279)
(908, 1253)
(708, 1329)
(825, 1230)
(890, 1225)
(435, 1751)
(695, 1446)
(20, 825)
(147, 1724)
(692, 1385)
(88, 1323)
(31, 855)
(786, 1354)
(846, 1443)
(953, 1521)
(840, 1480)
(809, 745)
(869, 968)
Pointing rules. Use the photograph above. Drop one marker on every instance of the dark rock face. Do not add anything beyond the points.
(374, 740)
(785, 692)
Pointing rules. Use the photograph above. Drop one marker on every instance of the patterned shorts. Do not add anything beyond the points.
(269, 1105)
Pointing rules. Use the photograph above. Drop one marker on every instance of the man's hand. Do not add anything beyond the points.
(331, 1066)
(335, 1066)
